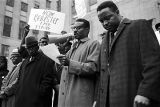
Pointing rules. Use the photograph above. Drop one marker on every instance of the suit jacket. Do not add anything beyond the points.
(130, 66)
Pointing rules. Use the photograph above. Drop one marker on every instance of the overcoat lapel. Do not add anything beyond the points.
(69, 54)
(106, 43)
(119, 31)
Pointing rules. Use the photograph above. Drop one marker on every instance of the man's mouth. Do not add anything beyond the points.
(107, 27)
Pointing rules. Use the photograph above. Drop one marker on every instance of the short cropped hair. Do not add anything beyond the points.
(107, 4)
(86, 23)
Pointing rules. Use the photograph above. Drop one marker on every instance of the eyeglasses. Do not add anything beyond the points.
(14, 57)
(77, 28)
(44, 42)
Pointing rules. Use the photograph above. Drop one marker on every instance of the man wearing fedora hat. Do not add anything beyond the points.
(8, 83)
(36, 79)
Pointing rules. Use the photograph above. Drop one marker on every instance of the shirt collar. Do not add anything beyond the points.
(37, 57)
(84, 39)
(120, 23)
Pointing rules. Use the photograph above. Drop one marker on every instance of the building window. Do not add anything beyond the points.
(36, 6)
(21, 29)
(48, 4)
(4, 50)
(73, 8)
(24, 6)
(7, 26)
(92, 2)
(58, 5)
(10, 3)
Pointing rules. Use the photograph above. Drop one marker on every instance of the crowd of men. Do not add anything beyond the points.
(122, 71)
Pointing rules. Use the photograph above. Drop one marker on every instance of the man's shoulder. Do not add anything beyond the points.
(43, 56)
(139, 21)
(137, 24)
(92, 41)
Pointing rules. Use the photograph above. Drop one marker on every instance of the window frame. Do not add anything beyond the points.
(48, 4)
(5, 50)
(10, 3)
(7, 27)
(24, 7)
(21, 29)
(58, 2)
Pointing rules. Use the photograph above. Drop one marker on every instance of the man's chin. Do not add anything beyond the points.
(111, 30)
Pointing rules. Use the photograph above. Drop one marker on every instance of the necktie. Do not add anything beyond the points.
(78, 43)
(111, 37)
(75, 46)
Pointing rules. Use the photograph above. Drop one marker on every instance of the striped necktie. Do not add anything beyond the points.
(111, 37)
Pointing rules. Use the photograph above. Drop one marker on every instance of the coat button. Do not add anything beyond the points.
(62, 93)
(108, 64)
(64, 81)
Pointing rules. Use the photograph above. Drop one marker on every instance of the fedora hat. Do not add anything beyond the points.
(30, 41)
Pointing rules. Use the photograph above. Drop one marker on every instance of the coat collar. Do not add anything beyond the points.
(74, 46)
(36, 58)
(120, 29)
(84, 39)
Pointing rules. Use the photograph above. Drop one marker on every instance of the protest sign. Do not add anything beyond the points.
(46, 20)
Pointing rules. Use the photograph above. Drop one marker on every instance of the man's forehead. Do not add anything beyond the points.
(104, 12)
(43, 39)
(77, 24)
(15, 55)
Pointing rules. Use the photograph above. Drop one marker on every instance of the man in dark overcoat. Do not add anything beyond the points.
(129, 61)
(3, 72)
(37, 78)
